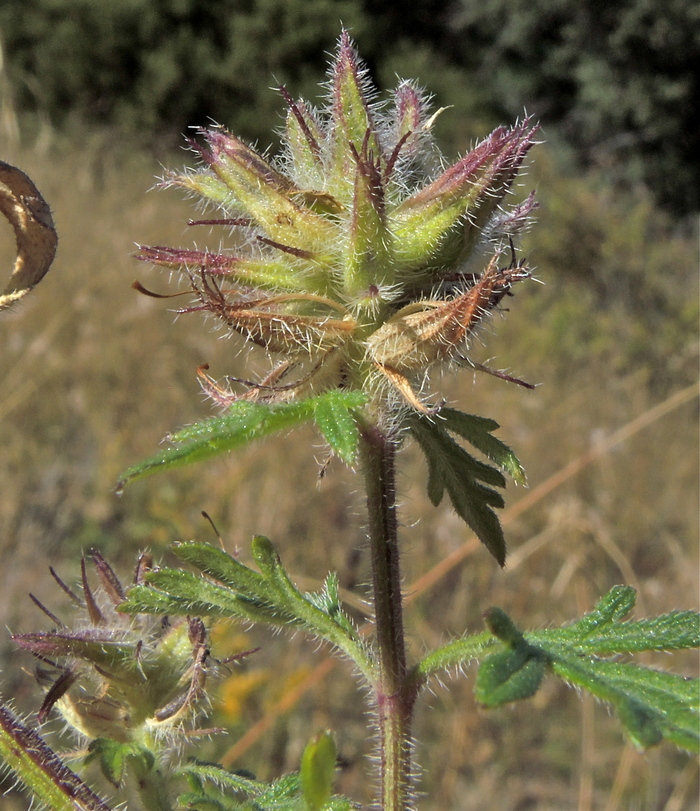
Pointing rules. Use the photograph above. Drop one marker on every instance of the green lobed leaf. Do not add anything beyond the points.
(173, 591)
(195, 590)
(652, 705)
(310, 614)
(273, 587)
(213, 787)
(41, 770)
(464, 478)
(268, 596)
(242, 423)
(245, 422)
(217, 563)
(614, 605)
(675, 631)
(198, 772)
(328, 601)
(146, 600)
(478, 431)
(601, 631)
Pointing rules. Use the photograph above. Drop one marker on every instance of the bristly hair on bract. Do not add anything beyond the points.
(357, 251)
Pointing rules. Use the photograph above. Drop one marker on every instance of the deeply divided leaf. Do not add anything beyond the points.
(468, 482)
(268, 596)
(652, 705)
(602, 630)
(478, 431)
(214, 787)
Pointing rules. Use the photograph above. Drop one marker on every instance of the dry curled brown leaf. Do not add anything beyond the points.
(30, 216)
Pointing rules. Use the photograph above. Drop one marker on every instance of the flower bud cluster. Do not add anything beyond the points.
(353, 249)
(132, 680)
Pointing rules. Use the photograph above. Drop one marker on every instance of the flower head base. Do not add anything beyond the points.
(354, 246)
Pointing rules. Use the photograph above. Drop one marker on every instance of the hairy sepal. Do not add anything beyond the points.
(439, 224)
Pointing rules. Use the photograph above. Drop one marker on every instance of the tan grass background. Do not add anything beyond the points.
(93, 375)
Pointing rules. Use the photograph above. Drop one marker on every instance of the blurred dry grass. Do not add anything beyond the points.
(93, 375)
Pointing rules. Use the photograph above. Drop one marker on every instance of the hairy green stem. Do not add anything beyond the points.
(395, 694)
(152, 790)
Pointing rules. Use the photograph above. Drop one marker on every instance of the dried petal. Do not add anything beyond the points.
(35, 235)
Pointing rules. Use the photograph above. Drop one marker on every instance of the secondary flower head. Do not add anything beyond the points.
(117, 677)
(354, 266)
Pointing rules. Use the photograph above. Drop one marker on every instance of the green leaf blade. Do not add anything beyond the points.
(674, 631)
(602, 631)
(478, 431)
(218, 564)
(312, 614)
(146, 600)
(652, 705)
(246, 422)
(466, 480)
(243, 423)
(173, 591)
(333, 416)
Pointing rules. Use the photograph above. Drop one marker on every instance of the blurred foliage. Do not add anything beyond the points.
(621, 279)
(618, 83)
(155, 67)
